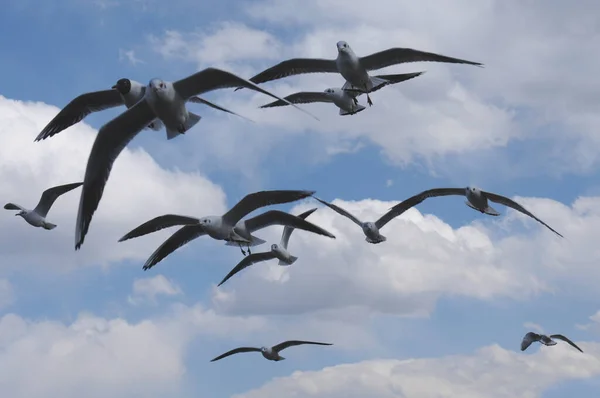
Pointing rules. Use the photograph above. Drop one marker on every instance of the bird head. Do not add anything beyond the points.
(157, 85)
(263, 349)
(274, 247)
(342, 46)
(329, 91)
(20, 213)
(473, 190)
(123, 86)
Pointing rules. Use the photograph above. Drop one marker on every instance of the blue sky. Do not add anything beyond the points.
(513, 128)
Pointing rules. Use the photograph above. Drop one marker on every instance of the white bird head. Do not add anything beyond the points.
(342, 46)
(209, 222)
(20, 213)
(123, 86)
(330, 91)
(274, 247)
(157, 85)
(369, 225)
(263, 349)
(473, 190)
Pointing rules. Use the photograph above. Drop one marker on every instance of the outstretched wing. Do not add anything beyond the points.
(236, 351)
(277, 217)
(295, 66)
(528, 339)
(79, 108)
(198, 100)
(339, 210)
(415, 200)
(287, 230)
(12, 206)
(50, 195)
(256, 200)
(514, 205)
(565, 339)
(158, 223)
(290, 343)
(303, 97)
(248, 261)
(174, 242)
(399, 55)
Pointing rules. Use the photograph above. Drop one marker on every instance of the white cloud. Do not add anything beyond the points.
(534, 327)
(129, 55)
(491, 372)
(106, 357)
(423, 259)
(138, 189)
(146, 289)
(534, 85)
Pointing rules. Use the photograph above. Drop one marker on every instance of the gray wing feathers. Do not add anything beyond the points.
(158, 223)
(79, 108)
(565, 339)
(112, 138)
(287, 230)
(340, 211)
(398, 55)
(277, 217)
(528, 339)
(12, 206)
(514, 205)
(295, 66)
(179, 238)
(236, 351)
(198, 100)
(50, 195)
(256, 200)
(303, 97)
(248, 261)
(291, 343)
(403, 206)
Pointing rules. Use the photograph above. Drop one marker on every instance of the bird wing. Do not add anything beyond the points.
(287, 230)
(394, 79)
(112, 138)
(211, 79)
(79, 108)
(303, 97)
(256, 200)
(339, 210)
(158, 223)
(198, 100)
(401, 55)
(565, 339)
(277, 217)
(296, 66)
(415, 200)
(290, 343)
(236, 351)
(12, 206)
(514, 205)
(248, 261)
(182, 236)
(50, 195)
(529, 338)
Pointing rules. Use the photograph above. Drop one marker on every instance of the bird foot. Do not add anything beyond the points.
(369, 101)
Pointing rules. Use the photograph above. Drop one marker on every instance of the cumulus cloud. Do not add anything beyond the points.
(533, 88)
(510, 257)
(138, 189)
(147, 289)
(491, 372)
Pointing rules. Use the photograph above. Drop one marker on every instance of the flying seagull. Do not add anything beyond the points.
(277, 251)
(370, 229)
(37, 216)
(532, 337)
(344, 99)
(353, 68)
(476, 199)
(270, 353)
(229, 227)
(126, 92)
(163, 100)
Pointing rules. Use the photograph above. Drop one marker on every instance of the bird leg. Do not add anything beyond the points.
(242, 249)
(369, 100)
(248, 248)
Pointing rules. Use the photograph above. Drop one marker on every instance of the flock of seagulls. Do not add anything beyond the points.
(163, 105)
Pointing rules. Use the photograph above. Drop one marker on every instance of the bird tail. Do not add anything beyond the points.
(393, 79)
(292, 261)
(190, 122)
(254, 242)
(488, 210)
(49, 226)
(357, 109)
(377, 82)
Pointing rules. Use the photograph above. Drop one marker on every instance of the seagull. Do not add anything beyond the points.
(545, 340)
(476, 199)
(37, 216)
(370, 229)
(277, 251)
(229, 227)
(126, 92)
(343, 99)
(270, 353)
(353, 68)
(163, 100)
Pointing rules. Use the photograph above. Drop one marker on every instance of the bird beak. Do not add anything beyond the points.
(114, 87)
(16, 214)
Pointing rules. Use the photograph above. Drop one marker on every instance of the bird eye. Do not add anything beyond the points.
(162, 85)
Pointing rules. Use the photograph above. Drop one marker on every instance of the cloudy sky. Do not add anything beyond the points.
(437, 311)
